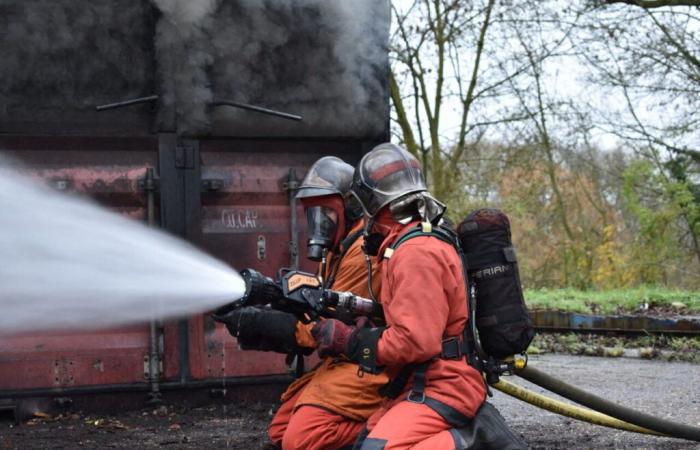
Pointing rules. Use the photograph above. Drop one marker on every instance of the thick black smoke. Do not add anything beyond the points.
(59, 58)
(323, 59)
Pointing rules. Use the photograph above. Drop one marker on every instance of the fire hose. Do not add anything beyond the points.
(612, 409)
(565, 409)
(300, 293)
(601, 412)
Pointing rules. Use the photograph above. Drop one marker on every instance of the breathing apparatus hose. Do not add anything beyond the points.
(599, 404)
(565, 409)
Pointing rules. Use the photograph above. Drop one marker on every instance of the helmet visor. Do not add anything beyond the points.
(328, 175)
(387, 173)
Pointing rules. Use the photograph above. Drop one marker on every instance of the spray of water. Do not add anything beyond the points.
(66, 263)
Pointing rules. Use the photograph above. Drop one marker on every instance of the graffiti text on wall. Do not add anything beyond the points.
(239, 219)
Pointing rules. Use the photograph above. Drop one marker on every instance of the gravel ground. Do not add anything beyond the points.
(669, 390)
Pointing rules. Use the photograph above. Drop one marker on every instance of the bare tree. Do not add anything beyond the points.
(446, 80)
(651, 60)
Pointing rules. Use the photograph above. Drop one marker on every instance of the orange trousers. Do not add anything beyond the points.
(311, 427)
(408, 425)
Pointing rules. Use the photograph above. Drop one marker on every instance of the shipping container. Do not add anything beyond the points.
(179, 156)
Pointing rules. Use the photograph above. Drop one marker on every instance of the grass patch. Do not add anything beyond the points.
(614, 301)
(661, 347)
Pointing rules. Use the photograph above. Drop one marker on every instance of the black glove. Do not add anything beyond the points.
(262, 329)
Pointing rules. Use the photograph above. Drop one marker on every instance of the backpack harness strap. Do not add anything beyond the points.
(453, 348)
(344, 247)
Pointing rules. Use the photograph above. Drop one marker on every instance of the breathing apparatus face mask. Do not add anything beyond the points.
(376, 230)
(372, 243)
(323, 229)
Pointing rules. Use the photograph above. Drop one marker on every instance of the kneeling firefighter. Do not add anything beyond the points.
(434, 394)
(327, 407)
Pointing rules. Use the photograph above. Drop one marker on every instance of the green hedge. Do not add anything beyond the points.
(614, 301)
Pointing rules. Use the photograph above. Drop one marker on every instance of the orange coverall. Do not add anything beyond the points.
(327, 407)
(425, 301)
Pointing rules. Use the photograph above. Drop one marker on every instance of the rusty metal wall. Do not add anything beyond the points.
(224, 188)
(108, 170)
(230, 197)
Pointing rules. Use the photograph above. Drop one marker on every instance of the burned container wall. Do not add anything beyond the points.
(229, 197)
(245, 221)
(224, 174)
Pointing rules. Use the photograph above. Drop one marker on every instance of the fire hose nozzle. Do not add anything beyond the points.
(355, 303)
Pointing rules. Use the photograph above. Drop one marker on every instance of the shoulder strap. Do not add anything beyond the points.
(344, 246)
(467, 347)
(423, 229)
(350, 239)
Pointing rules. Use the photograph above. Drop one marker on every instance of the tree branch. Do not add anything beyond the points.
(649, 4)
(401, 116)
(677, 45)
(459, 150)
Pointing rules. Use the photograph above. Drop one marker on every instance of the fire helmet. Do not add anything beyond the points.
(325, 193)
(385, 174)
(327, 176)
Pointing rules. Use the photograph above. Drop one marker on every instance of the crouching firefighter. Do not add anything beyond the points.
(434, 394)
(327, 407)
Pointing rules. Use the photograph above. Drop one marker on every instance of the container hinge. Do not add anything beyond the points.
(147, 367)
(184, 154)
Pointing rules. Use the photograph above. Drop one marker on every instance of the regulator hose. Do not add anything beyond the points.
(607, 407)
(565, 409)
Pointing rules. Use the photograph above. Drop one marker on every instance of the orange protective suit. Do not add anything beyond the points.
(327, 408)
(424, 299)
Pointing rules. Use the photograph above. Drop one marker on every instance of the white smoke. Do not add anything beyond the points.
(184, 57)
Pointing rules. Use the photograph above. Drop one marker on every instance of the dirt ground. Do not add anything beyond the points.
(669, 390)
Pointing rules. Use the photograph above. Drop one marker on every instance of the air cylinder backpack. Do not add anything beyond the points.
(497, 306)
(483, 240)
(504, 324)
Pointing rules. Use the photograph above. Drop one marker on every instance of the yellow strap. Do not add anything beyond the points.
(427, 227)
(388, 252)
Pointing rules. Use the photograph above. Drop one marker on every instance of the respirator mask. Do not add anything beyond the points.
(323, 228)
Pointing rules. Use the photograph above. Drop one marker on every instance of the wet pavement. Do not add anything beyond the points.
(669, 390)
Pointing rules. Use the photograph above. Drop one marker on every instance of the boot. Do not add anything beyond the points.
(487, 431)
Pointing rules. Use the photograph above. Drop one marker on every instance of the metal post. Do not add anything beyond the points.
(156, 334)
(291, 187)
(180, 189)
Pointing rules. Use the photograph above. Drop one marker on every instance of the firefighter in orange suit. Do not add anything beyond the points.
(424, 297)
(327, 407)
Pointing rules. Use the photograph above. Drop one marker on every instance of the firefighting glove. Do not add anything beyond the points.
(262, 329)
(331, 336)
(358, 343)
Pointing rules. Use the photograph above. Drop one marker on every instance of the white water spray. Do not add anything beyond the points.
(66, 263)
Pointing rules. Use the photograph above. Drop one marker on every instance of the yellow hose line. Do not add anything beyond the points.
(565, 409)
